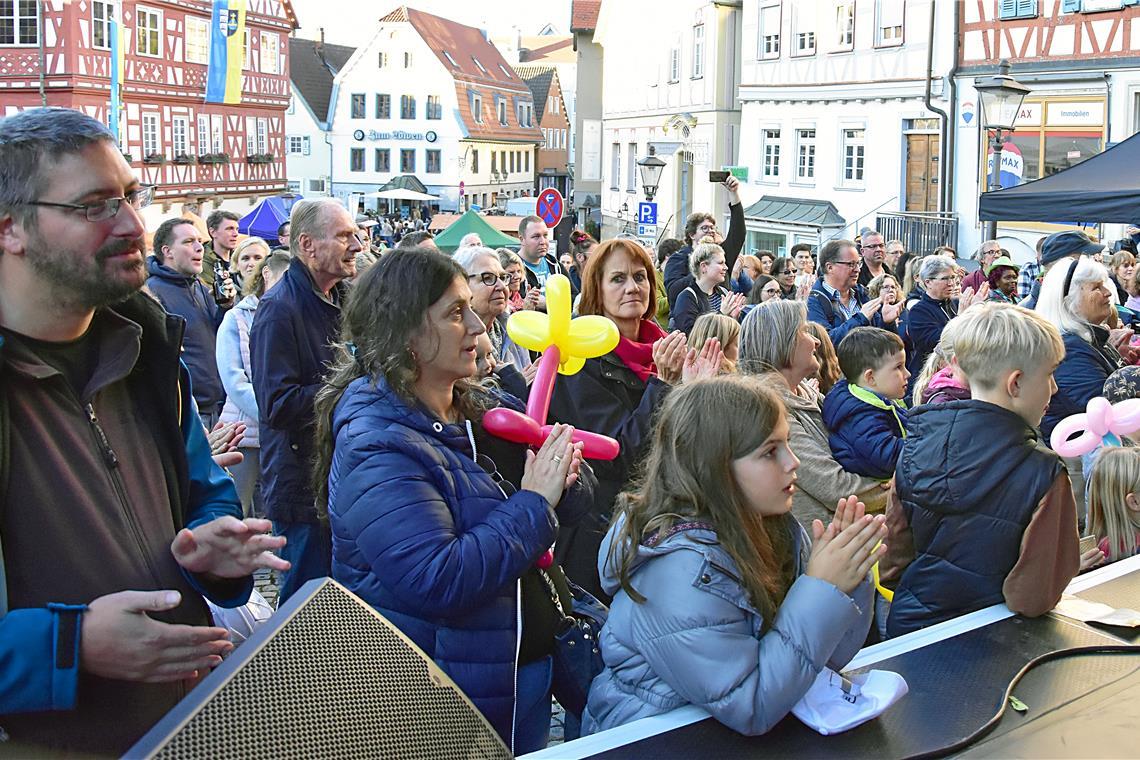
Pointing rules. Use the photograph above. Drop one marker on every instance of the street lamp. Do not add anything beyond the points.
(650, 169)
(1000, 97)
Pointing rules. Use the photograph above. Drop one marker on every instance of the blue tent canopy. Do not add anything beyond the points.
(263, 219)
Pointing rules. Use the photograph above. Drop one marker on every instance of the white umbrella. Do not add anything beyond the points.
(401, 194)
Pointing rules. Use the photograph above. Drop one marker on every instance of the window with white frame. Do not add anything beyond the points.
(434, 108)
(148, 32)
(356, 160)
(180, 136)
(615, 166)
(803, 29)
(19, 22)
(432, 161)
(250, 135)
(768, 46)
(477, 108)
(149, 134)
(675, 63)
(262, 135)
(845, 25)
(317, 185)
(546, 138)
(502, 108)
(554, 105)
(383, 160)
(526, 161)
(698, 51)
(203, 134)
(771, 146)
(197, 40)
(805, 154)
(217, 132)
(246, 51)
(383, 106)
(888, 23)
(854, 151)
(270, 53)
(357, 105)
(296, 145)
(102, 11)
(407, 106)
(408, 161)
(630, 168)
(407, 60)
(382, 60)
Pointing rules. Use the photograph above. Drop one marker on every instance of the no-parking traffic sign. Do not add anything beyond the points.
(549, 206)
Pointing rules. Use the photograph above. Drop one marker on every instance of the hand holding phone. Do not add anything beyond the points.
(718, 176)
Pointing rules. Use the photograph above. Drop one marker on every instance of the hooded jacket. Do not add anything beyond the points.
(697, 639)
(822, 481)
(188, 298)
(991, 514)
(866, 431)
(944, 387)
(234, 368)
(423, 533)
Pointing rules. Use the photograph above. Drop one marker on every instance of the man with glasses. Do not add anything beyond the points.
(699, 226)
(111, 508)
(874, 257)
(837, 300)
(290, 347)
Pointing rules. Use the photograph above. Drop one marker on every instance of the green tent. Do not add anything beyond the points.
(448, 240)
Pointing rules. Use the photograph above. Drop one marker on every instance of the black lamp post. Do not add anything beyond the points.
(650, 169)
(1000, 97)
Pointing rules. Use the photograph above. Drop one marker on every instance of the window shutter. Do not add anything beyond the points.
(1070, 6)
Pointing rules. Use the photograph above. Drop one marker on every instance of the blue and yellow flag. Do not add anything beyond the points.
(227, 52)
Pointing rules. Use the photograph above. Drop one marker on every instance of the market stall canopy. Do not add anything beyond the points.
(448, 240)
(263, 219)
(1104, 188)
(402, 194)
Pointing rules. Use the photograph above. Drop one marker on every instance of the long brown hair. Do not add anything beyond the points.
(703, 427)
(595, 271)
(385, 308)
(829, 371)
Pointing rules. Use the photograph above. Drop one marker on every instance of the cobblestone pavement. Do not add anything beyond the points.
(265, 581)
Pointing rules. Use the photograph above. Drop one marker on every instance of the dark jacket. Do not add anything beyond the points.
(924, 323)
(604, 397)
(677, 274)
(970, 479)
(692, 302)
(40, 677)
(530, 279)
(188, 298)
(866, 430)
(1080, 376)
(865, 274)
(289, 350)
(423, 533)
(822, 308)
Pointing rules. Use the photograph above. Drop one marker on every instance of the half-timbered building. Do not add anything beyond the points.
(58, 53)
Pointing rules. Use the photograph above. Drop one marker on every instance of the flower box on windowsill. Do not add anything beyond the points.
(154, 159)
(128, 158)
(213, 158)
(185, 159)
(259, 158)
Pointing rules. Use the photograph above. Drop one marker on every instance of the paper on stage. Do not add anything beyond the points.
(835, 703)
(1094, 612)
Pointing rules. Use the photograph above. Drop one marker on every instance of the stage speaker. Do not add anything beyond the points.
(325, 677)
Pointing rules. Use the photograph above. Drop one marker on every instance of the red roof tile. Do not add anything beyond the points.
(584, 15)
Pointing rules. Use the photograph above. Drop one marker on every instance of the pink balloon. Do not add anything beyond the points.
(512, 426)
(1099, 419)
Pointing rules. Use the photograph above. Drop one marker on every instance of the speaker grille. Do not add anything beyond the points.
(336, 681)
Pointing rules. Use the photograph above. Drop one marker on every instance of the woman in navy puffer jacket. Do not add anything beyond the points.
(425, 528)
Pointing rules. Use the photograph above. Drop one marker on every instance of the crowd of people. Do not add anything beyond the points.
(173, 419)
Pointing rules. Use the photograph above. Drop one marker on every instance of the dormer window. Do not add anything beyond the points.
(506, 73)
(450, 60)
(477, 108)
(479, 64)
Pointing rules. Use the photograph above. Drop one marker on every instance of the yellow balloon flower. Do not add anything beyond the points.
(577, 339)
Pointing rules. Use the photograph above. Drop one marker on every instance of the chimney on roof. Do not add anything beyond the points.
(321, 43)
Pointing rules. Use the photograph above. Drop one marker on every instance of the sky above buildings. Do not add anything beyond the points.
(352, 22)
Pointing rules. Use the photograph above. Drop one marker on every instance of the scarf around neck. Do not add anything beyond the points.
(637, 355)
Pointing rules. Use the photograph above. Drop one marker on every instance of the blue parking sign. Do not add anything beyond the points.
(647, 213)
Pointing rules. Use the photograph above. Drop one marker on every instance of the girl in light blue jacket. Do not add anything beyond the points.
(720, 599)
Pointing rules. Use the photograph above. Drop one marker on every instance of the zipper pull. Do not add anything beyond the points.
(104, 444)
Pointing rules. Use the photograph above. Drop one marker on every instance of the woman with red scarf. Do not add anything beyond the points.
(618, 393)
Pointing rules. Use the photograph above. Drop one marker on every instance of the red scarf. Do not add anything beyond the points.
(638, 354)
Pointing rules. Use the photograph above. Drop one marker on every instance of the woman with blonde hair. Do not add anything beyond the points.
(720, 599)
(722, 328)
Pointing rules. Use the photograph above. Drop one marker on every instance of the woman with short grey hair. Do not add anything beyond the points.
(775, 341)
(489, 283)
(928, 315)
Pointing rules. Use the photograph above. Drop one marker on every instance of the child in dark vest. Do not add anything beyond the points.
(982, 513)
(865, 416)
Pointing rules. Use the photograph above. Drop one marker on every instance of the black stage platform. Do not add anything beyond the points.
(957, 672)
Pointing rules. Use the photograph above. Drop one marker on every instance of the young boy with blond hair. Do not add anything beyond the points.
(982, 512)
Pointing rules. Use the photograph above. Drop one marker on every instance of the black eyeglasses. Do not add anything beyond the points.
(490, 278)
(108, 208)
(488, 466)
(853, 264)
